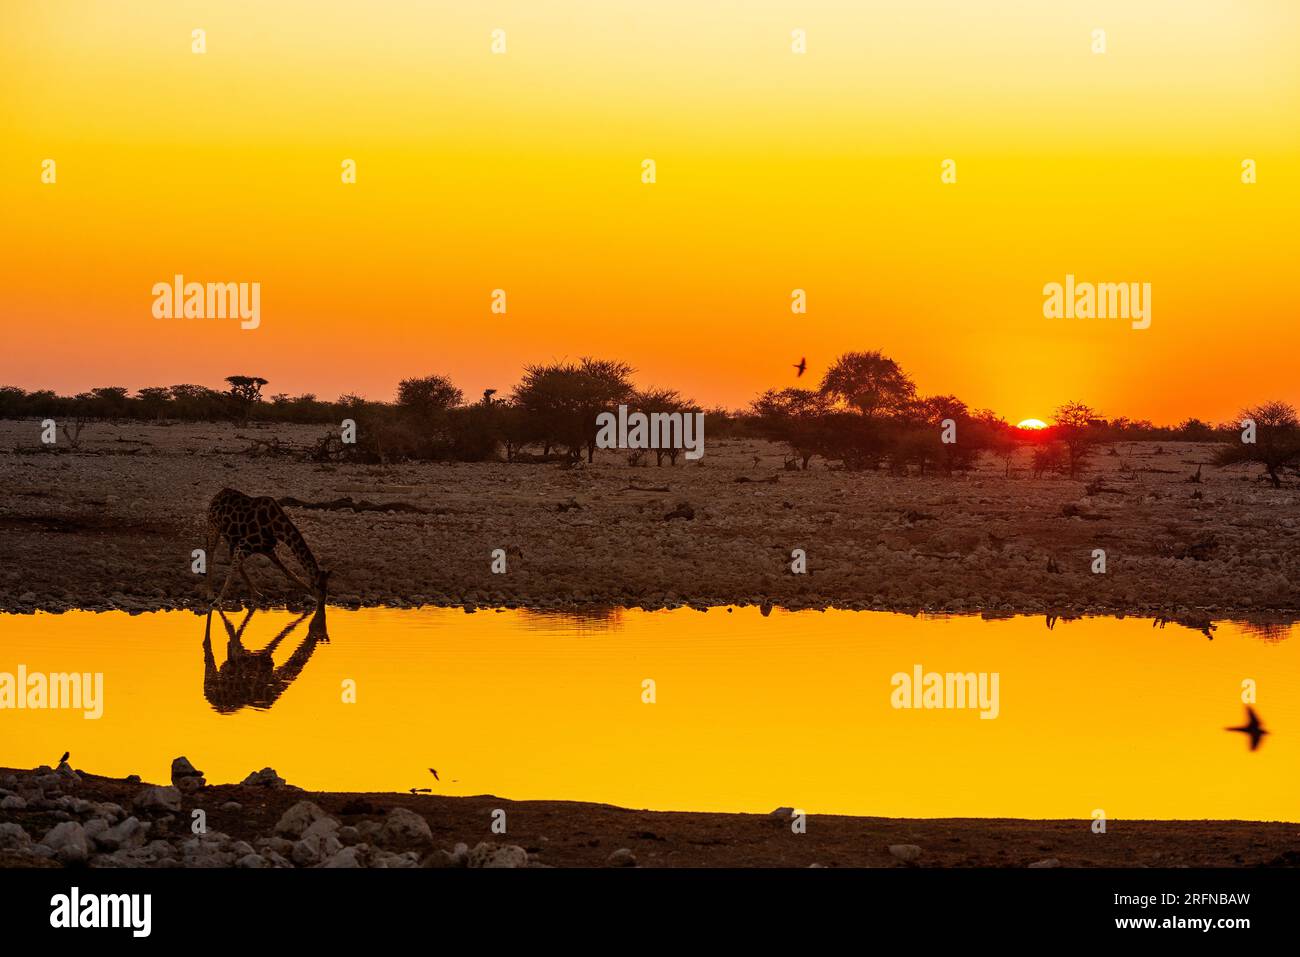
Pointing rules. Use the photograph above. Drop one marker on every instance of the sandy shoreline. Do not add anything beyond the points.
(113, 524)
(362, 829)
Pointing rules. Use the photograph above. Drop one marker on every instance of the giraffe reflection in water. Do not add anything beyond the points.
(252, 678)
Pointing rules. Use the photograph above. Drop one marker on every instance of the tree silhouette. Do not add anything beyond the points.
(426, 397)
(869, 382)
(245, 392)
(561, 401)
(1076, 427)
(796, 417)
(1277, 440)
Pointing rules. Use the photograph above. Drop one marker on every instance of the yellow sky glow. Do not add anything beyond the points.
(775, 172)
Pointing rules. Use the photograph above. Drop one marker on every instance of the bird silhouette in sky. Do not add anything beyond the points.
(435, 774)
(66, 755)
(802, 366)
(1252, 727)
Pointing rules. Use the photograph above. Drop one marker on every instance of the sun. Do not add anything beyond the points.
(1033, 424)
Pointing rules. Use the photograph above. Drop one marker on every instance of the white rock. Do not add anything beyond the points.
(348, 857)
(110, 812)
(68, 842)
(441, 858)
(509, 855)
(404, 827)
(129, 833)
(315, 847)
(298, 818)
(274, 845)
(266, 778)
(168, 799)
(13, 837)
(905, 852)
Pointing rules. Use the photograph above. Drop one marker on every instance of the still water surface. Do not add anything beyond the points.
(751, 712)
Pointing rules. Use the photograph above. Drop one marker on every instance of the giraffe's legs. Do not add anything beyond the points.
(210, 546)
(243, 573)
(275, 559)
(236, 563)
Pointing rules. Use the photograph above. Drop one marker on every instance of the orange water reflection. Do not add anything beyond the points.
(752, 712)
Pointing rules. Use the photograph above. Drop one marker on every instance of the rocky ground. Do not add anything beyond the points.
(112, 525)
(65, 817)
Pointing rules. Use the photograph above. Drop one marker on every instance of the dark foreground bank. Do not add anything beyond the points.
(66, 818)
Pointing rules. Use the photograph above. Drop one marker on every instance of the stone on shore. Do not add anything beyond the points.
(905, 852)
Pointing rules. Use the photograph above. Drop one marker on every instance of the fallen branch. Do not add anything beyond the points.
(347, 503)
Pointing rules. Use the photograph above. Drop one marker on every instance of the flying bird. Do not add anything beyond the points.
(1252, 727)
(435, 774)
(802, 366)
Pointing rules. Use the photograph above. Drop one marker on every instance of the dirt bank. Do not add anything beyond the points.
(113, 524)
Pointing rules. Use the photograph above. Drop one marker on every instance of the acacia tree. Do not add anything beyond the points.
(109, 401)
(426, 397)
(11, 401)
(869, 382)
(1195, 430)
(668, 401)
(926, 445)
(998, 437)
(80, 412)
(1276, 442)
(153, 400)
(245, 392)
(1076, 427)
(561, 401)
(795, 417)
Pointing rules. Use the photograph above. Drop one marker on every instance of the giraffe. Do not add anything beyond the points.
(252, 678)
(253, 526)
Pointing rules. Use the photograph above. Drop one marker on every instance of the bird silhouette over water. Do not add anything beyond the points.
(802, 366)
(1252, 727)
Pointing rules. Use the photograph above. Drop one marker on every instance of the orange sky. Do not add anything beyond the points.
(776, 171)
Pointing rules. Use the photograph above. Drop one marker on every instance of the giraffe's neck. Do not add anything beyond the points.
(298, 545)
